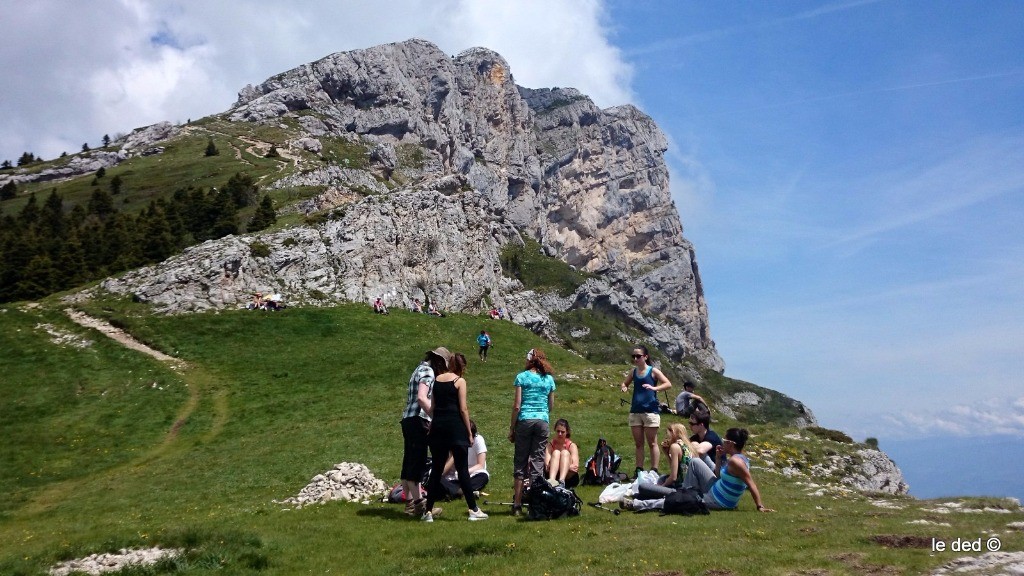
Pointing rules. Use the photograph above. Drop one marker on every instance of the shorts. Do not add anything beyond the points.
(645, 419)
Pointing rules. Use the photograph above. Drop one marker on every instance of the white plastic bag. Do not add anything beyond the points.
(614, 492)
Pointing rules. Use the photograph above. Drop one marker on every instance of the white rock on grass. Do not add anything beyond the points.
(100, 563)
(348, 481)
(988, 563)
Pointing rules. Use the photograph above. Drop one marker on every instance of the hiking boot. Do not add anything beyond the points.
(428, 517)
(477, 514)
(637, 472)
(517, 511)
(419, 506)
(626, 503)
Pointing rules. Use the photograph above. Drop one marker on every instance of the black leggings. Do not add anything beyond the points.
(460, 455)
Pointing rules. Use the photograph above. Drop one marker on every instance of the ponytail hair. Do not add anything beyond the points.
(537, 360)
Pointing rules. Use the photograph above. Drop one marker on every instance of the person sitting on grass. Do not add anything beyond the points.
(477, 459)
(678, 449)
(562, 457)
(706, 439)
(722, 487)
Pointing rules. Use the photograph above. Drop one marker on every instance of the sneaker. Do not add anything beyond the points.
(435, 511)
(552, 482)
(656, 473)
(477, 514)
(428, 517)
(626, 503)
(637, 472)
(517, 511)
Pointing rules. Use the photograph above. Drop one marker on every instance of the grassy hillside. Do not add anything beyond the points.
(105, 448)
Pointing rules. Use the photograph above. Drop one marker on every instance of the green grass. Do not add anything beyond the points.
(95, 458)
(537, 271)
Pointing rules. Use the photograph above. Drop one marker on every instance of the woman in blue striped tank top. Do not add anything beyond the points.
(723, 486)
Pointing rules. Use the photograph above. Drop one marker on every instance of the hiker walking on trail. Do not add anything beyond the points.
(484, 341)
(645, 410)
(528, 430)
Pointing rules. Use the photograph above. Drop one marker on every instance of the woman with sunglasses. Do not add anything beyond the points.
(722, 487)
(645, 410)
(528, 430)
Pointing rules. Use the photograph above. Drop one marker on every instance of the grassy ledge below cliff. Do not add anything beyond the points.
(105, 447)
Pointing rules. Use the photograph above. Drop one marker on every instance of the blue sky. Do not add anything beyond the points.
(851, 173)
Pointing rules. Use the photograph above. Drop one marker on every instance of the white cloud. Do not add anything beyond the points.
(75, 71)
(1002, 416)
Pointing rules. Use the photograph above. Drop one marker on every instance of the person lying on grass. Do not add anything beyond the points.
(722, 487)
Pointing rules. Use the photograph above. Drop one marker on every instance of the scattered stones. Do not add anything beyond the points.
(886, 504)
(963, 508)
(63, 337)
(100, 563)
(987, 563)
(924, 522)
(349, 481)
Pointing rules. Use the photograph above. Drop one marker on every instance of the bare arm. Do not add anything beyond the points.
(629, 379)
(675, 452)
(516, 405)
(481, 462)
(463, 408)
(738, 469)
(662, 383)
(423, 397)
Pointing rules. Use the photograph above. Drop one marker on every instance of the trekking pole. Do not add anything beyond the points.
(598, 505)
(491, 503)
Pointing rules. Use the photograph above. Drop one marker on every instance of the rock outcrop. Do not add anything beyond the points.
(459, 162)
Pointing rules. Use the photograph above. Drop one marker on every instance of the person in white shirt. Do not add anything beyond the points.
(478, 475)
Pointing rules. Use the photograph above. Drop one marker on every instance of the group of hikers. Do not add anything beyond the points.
(436, 418)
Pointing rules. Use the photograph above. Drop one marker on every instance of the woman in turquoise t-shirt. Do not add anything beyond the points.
(528, 430)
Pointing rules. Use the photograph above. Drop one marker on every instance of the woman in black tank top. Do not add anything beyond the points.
(450, 432)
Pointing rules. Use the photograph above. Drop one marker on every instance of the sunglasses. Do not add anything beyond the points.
(635, 356)
(694, 423)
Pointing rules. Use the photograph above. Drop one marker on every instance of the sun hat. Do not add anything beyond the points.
(442, 353)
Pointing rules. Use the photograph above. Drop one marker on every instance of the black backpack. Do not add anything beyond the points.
(547, 502)
(685, 501)
(601, 468)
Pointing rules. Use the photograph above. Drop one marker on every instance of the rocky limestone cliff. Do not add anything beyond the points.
(491, 163)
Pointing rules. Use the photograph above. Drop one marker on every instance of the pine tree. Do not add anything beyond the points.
(106, 140)
(6, 165)
(211, 149)
(101, 172)
(8, 190)
(264, 216)
(243, 189)
(26, 159)
(101, 204)
(115, 184)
